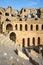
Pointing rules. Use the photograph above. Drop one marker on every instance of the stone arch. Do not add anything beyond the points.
(26, 27)
(31, 27)
(23, 42)
(37, 27)
(20, 19)
(16, 27)
(38, 40)
(9, 27)
(13, 36)
(20, 27)
(33, 41)
(28, 42)
(7, 19)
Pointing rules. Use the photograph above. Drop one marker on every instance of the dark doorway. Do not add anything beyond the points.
(9, 27)
(33, 41)
(37, 27)
(20, 27)
(28, 42)
(13, 37)
(31, 27)
(38, 41)
(23, 42)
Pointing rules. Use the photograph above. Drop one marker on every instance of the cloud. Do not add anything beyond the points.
(34, 3)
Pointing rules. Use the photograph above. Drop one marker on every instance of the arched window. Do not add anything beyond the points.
(12, 15)
(24, 10)
(37, 27)
(33, 41)
(7, 20)
(20, 19)
(9, 27)
(23, 42)
(42, 27)
(31, 27)
(7, 14)
(20, 27)
(16, 27)
(0, 13)
(38, 40)
(26, 28)
(28, 42)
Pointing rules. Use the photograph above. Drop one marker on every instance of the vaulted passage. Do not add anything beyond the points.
(13, 37)
(7, 19)
(31, 27)
(7, 14)
(9, 27)
(37, 27)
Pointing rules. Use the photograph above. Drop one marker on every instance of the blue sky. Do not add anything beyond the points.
(18, 4)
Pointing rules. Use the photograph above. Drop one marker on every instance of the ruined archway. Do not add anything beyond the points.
(13, 37)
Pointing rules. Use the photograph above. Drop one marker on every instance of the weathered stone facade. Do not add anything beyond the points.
(24, 27)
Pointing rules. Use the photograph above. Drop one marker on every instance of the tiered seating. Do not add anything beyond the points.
(7, 54)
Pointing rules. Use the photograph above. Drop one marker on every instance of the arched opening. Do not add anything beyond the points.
(28, 42)
(31, 27)
(1, 28)
(13, 37)
(33, 41)
(24, 10)
(20, 19)
(26, 28)
(7, 20)
(37, 27)
(20, 27)
(18, 15)
(38, 41)
(0, 13)
(16, 27)
(7, 14)
(9, 27)
(23, 42)
(42, 27)
(12, 15)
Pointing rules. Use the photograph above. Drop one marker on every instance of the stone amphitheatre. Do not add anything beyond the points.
(21, 36)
